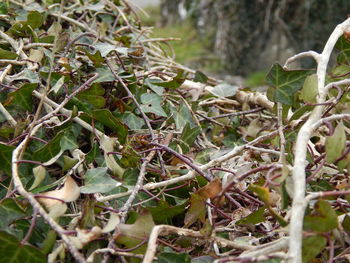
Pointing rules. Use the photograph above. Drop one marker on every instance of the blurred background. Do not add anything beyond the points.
(234, 37)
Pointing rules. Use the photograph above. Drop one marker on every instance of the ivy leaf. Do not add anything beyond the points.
(104, 75)
(343, 45)
(285, 83)
(35, 19)
(107, 118)
(5, 157)
(93, 95)
(12, 251)
(104, 48)
(182, 117)
(188, 137)
(131, 235)
(253, 218)
(132, 121)
(310, 89)
(323, 218)
(39, 173)
(312, 246)
(152, 84)
(151, 103)
(68, 141)
(223, 90)
(9, 212)
(98, 181)
(262, 192)
(49, 150)
(196, 211)
(5, 54)
(335, 144)
(163, 212)
(200, 77)
(22, 97)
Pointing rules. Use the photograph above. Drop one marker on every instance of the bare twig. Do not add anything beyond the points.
(298, 205)
(167, 230)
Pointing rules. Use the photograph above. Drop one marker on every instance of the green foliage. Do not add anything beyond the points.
(12, 251)
(98, 149)
(285, 83)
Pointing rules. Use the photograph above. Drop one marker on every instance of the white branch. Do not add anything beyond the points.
(166, 230)
(298, 205)
(306, 54)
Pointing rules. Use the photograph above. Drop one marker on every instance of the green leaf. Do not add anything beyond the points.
(104, 48)
(254, 218)
(107, 118)
(12, 251)
(312, 246)
(132, 121)
(35, 19)
(68, 141)
(182, 117)
(98, 181)
(346, 223)
(5, 54)
(163, 212)
(310, 89)
(68, 163)
(189, 134)
(39, 173)
(285, 83)
(3, 8)
(262, 192)
(151, 103)
(9, 212)
(335, 144)
(223, 90)
(22, 97)
(175, 83)
(196, 211)
(343, 45)
(131, 235)
(340, 72)
(323, 218)
(152, 84)
(167, 257)
(200, 77)
(300, 112)
(49, 150)
(94, 96)
(5, 158)
(104, 75)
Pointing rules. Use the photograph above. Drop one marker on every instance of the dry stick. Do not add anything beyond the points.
(35, 204)
(138, 186)
(8, 116)
(82, 123)
(191, 174)
(112, 251)
(298, 205)
(31, 228)
(167, 230)
(233, 114)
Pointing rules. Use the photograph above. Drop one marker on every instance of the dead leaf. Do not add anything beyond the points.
(68, 193)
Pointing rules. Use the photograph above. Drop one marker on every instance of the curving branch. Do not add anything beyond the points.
(299, 205)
